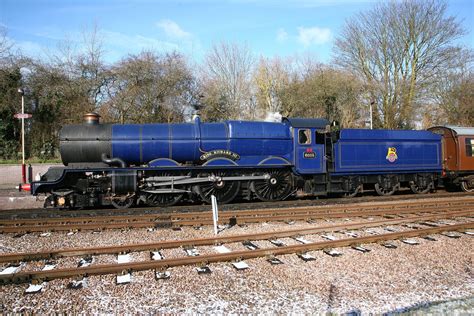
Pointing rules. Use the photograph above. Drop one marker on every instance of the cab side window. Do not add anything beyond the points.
(319, 138)
(470, 147)
(304, 137)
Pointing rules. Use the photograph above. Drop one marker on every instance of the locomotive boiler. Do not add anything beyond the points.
(158, 145)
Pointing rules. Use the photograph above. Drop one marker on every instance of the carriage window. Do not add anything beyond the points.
(319, 138)
(304, 137)
(470, 147)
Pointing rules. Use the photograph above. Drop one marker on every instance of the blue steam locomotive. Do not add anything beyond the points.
(162, 164)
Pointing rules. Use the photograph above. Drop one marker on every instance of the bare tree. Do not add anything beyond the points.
(229, 67)
(322, 91)
(400, 49)
(453, 103)
(149, 87)
(63, 87)
(91, 66)
(270, 78)
(215, 104)
(5, 45)
(10, 80)
(74, 76)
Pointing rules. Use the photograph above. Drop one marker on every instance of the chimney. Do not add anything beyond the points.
(91, 118)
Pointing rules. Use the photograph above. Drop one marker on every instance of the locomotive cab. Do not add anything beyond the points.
(309, 138)
(311, 147)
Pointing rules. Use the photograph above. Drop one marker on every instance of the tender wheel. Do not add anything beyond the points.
(468, 186)
(123, 202)
(156, 199)
(275, 188)
(420, 189)
(353, 193)
(385, 191)
(224, 191)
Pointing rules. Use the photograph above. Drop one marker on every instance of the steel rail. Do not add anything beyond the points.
(235, 206)
(32, 225)
(255, 205)
(310, 216)
(228, 214)
(250, 218)
(38, 276)
(52, 254)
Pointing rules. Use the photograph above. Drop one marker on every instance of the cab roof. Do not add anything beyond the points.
(318, 123)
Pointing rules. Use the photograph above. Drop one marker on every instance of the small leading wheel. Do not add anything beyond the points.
(468, 186)
(123, 202)
(381, 190)
(224, 191)
(157, 199)
(275, 188)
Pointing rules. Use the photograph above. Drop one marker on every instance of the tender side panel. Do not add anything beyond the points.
(362, 151)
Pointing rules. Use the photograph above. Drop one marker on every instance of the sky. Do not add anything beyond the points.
(269, 28)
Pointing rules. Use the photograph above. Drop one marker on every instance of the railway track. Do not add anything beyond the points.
(233, 217)
(48, 213)
(270, 252)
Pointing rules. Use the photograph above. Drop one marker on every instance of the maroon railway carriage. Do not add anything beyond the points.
(458, 156)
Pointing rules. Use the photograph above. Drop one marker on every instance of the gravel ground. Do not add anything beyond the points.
(383, 280)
